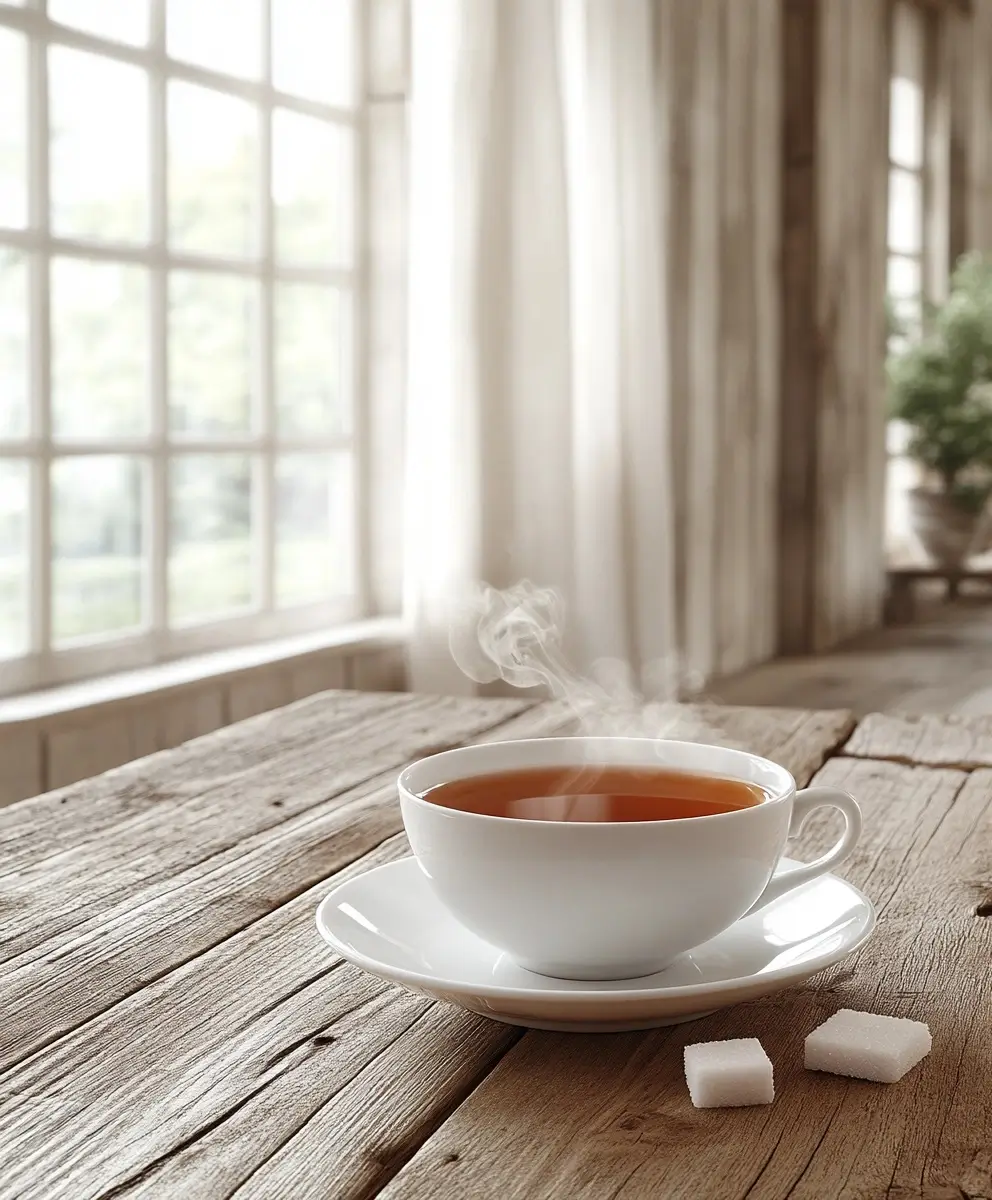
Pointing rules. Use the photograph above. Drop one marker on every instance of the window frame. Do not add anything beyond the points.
(909, 24)
(155, 641)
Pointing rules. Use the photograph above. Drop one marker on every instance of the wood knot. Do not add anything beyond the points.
(451, 1158)
(984, 909)
(324, 1039)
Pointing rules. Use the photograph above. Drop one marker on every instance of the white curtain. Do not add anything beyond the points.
(538, 422)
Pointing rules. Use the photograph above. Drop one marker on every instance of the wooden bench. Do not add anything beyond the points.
(900, 600)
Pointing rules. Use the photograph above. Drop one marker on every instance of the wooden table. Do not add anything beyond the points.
(172, 1026)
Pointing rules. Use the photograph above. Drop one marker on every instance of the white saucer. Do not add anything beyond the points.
(388, 922)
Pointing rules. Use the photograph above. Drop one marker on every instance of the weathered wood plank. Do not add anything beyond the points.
(66, 974)
(269, 1022)
(79, 971)
(67, 817)
(196, 822)
(938, 740)
(198, 952)
(631, 1130)
(797, 740)
(800, 741)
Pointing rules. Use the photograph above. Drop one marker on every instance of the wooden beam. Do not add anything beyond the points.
(799, 391)
(835, 71)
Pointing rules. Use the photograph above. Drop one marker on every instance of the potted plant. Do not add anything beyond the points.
(941, 389)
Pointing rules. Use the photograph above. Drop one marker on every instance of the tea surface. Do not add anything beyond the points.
(596, 794)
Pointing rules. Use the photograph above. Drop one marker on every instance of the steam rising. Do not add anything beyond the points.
(516, 636)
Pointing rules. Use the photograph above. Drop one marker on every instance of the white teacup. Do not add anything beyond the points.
(610, 900)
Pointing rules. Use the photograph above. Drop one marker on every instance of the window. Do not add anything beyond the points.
(178, 293)
(906, 174)
(905, 276)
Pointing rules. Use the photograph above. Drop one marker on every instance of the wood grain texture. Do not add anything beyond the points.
(631, 1131)
(92, 735)
(832, 460)
(268, 1027)
(799, 741)
(72, 816)
(190, 1035)
(937, 740)
(294, 764)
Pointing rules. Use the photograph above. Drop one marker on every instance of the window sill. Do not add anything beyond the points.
(170, 678)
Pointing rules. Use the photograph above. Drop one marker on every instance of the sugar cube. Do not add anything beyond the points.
(729, 1074)
(867, 1046)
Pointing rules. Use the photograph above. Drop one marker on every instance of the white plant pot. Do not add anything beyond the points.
(948, 534)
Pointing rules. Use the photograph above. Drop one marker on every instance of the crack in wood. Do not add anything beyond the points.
(379, 1157)
(281, 999)
(819, 1143)
(764, 1166)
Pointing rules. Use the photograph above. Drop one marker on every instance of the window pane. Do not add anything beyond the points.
(13, 129)
(13, 344)
(211, 568)
(99, 349)
(13, 557)
(99, 147)
(313, 49)
(212, 34)
(213, 342)
(311, 360)
(314, 516)
(120, 20)
(906, 123)
(909, 316)
(311, 189)
(904, 279)
(905, 212)
(213, 171)
(97, 570)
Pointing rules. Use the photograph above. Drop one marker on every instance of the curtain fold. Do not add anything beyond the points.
(538, 407)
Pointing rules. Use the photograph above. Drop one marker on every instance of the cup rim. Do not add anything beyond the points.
(786, 791)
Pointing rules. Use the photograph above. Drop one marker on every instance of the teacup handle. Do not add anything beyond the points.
(804, 803)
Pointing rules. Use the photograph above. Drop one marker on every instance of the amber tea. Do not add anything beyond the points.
(596, 794)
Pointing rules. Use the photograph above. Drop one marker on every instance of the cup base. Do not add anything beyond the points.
(594, 974)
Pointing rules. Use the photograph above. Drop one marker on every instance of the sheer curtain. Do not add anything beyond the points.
(538, 422)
